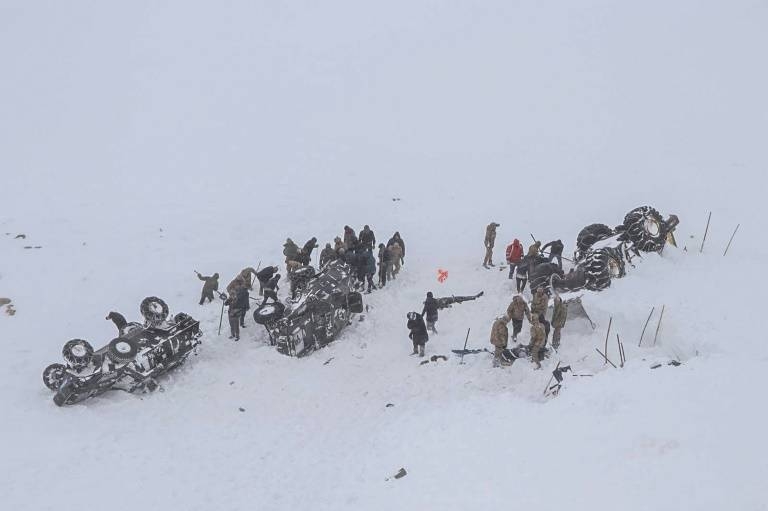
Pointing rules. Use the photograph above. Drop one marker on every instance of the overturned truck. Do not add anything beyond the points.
(323, 309)
(130, 362)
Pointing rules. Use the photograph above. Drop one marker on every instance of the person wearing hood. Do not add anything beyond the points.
(246, 275)
(514, 256)
(327, 255)
(350, 240)
(385, 264)
(210, 285)
(305, 254)
(290, 250)
(555, 252)
(367, 238)
(538, 340)
(338, 245)
(430, 311)
(516, 311)
(490, 241)
(417, 333)
(370, 268)
(263, 277)
(559, 315)
(396, 239)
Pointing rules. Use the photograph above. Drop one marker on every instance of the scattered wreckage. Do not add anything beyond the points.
(130, 362)
(323, 308)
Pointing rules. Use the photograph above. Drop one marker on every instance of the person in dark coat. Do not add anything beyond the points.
(555, 252)
(350, 240)
(430, 311)
(522, 277)
(367, 238)
(211, 285)
(327, 255)
(119, 321)
(263, 277)
(243, 303)
(370, 268)
(396, 238)
(233, 315)
(418, 333)
(385, 261)
(305, 254)
(271, 288)
(290, 250)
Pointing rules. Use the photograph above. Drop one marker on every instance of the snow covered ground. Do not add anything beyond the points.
(141, 142)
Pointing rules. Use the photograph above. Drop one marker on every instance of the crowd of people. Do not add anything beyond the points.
(355, 250)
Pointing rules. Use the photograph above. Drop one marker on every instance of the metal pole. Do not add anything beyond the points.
(465, 347)
(646, 326)
(706, 230)
(659, 325)
(730, 240)
(605, 357)
(221, 318)
(610, 321)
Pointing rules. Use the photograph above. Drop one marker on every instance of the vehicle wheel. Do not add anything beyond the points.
(600, 267)
(77, 353)
(355, 301)
(154, 310)
(122, 349)
(268, 313)
(590, 235)
(53, 376)
(180, 318)
(646, 229)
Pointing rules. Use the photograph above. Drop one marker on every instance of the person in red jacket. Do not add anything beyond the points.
(514, 256)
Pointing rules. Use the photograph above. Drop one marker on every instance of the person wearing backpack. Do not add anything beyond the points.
(514, 256)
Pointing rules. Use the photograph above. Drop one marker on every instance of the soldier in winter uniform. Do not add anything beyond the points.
(559, 315)
(246, 276)
(533, 255)
(396, 238)
(367, 238)
(233, 315)
(499, 339)
(385, 262)
(538, 340)
(555, 252)
(397, 256)
(370, 267)
(327, 255)
(430, 311)
(243, 303)
(236, 283)
(271, 288)
(418, 333)
(264, 275)
(516, 311)
(338, 245)
(539, 306)
(490, 241)
(211, 285)
(290, 250)
(305, 254)
(521, 278)
(514, 256)
(350, 240)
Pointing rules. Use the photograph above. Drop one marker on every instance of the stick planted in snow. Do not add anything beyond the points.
(608, 333)
(646, 326)
(706, 230)
(618, 345)
(605, 357)
(465, 347)
(659, 325)
(730, 240)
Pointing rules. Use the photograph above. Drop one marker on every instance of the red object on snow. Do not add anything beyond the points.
(442, 275)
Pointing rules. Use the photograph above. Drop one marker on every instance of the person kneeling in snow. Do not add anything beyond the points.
(418, 334)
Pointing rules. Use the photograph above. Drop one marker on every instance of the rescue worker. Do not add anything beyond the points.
(350, 240)
(430, 311)
(246, 276)
(539, 305)
(263, 277)
(243, 303)
(521, 277)
(538, 340)
(516, 311)
(418, 333)
(271, 288)
(290, 250)
(559, 315)
(236, 283)
(305, 254)
(533, 256)
(555, 252)
(385, 261)
(367, 238)
(396, 238)
(514, 256)
(119, 321)
(327, 255)
(233, 315)
(397, 256)
(338, 245)
(499, 339)
(490, 241)
(370, 267)
(211, 285)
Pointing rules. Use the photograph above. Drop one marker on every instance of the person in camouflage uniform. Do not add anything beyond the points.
(211, 285)
(559, 315)
(516, 311)
(538, 339)
(246, 275)
(233, 286)
(499, 339)
(290, 250)
(490, 241)
(327, 255)
(338, 245)
(539, 306)
(396, 250)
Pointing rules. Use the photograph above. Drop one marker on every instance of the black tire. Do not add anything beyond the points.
(53, 376)
(540, 277)
(645, 228)
(268, 313)
(154, 310)
(180, 318)
(355, 301)
(590, 235)
(122, 349)
(600, 266)
(77, 353)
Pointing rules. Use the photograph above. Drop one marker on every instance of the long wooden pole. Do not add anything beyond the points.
(605, 357)
(465, 347)
(706, 230)
(659, 325)
(610, 321)
(730, 240)
(646, 326)
(621, 355)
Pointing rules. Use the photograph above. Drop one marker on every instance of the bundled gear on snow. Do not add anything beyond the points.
(211, 285)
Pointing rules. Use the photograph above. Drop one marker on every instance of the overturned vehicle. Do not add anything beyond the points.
(325, 305)
(603, 253)
(130, 362)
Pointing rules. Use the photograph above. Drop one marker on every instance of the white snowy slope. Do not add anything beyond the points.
(140, 142)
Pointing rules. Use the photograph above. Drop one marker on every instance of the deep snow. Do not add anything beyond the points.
(140, 142)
